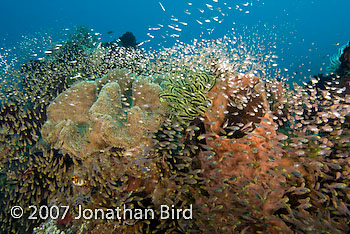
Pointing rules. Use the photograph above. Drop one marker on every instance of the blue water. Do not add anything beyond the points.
(306, 32)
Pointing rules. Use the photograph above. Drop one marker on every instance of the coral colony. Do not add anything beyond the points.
(198, 138)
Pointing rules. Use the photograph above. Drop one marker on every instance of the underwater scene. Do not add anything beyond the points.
(175, 116)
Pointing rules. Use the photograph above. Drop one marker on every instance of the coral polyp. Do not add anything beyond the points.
(203, 129)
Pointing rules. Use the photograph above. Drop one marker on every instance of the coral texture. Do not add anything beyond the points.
(102, 121)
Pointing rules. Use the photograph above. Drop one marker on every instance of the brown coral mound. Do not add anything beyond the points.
(66, 115)
(101, 121)
(107, 138)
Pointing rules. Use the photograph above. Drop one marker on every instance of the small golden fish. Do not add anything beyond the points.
(77, 181)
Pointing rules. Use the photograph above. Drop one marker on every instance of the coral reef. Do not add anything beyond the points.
(240, 160)
(206, 130)
(25, 158)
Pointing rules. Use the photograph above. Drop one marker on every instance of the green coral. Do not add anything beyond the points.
(185, 93)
